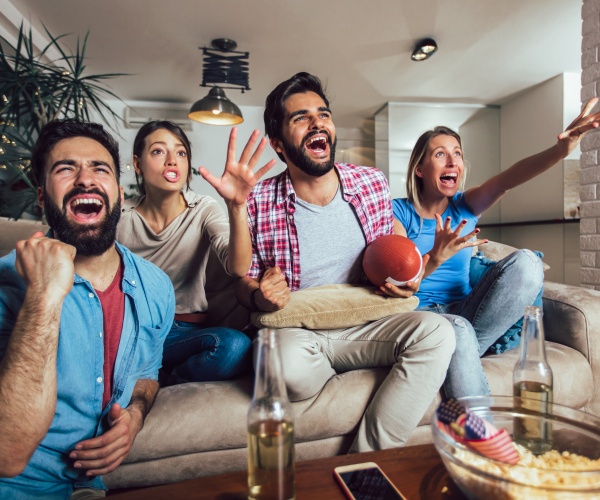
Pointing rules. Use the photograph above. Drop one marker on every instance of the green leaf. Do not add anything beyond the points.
(36, 92)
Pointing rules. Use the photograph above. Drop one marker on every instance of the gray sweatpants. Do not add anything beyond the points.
(417, 346)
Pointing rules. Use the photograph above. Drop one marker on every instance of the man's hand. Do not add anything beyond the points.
(46, 265)
(239, 177)
(105, 453)
(273, 292)
(409, 290)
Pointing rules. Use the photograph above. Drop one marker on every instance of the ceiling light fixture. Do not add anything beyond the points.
(424, 49)
(222, 65)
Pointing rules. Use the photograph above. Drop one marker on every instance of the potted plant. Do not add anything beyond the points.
(34, 89)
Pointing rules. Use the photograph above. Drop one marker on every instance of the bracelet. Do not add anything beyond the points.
(253, 299)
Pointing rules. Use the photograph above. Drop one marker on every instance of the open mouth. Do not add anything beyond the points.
(317, 144)
(86, 208)
(171, 175)
(449, 180)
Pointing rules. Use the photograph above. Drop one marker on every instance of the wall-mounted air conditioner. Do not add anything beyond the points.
(136, 116)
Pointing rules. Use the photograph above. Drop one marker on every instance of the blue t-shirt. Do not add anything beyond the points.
(149, 311)
(449, 282)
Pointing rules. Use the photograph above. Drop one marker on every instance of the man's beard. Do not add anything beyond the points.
(298, 156)
(92, 240)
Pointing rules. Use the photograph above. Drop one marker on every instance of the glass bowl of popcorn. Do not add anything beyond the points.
(506, 447)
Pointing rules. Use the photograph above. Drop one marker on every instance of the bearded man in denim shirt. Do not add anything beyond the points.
(82, 323)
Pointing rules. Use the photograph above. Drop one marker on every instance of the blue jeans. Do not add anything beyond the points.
(196, 354)
(495, 303)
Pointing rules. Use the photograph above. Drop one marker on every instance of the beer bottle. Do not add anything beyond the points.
(532, 386)
(270, 427)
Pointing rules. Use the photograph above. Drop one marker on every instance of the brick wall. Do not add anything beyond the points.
(590, 149)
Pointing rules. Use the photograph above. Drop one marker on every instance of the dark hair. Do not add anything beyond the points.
(275, 104)
(140, 142)
(58, 130)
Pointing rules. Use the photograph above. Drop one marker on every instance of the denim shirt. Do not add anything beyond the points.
(149, 312)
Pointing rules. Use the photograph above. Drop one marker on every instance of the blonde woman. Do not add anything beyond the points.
(440, 218)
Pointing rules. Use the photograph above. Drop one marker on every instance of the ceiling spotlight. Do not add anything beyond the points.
(224, 67)
(424, 49)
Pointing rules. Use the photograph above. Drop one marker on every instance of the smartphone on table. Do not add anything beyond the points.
(366, 481)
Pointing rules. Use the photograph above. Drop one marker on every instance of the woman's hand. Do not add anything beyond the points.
(569, 139)
(239, 177)
(448, 242)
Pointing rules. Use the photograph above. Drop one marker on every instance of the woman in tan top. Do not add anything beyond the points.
(176, 229)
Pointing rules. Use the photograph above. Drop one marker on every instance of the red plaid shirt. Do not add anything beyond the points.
(271, 207)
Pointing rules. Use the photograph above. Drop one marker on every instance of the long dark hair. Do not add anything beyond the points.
(140, 142)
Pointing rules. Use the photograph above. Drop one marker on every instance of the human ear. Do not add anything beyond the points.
(418, 171)
(136, 165)
(276, 145)
(40, 197)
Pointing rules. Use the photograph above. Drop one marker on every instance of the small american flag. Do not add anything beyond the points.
(449, 411)
(498, 447)
(475, 432)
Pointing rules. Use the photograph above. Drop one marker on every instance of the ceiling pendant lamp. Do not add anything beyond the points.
(224, 67)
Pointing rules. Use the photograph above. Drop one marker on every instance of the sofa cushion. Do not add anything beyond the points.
(199, 417)
(497, 251)
(15, 230)
(569, 367)
(333, 306)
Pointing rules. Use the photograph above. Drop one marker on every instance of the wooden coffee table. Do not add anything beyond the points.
(417, 471)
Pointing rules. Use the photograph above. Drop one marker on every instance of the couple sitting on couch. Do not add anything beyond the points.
(83, 320)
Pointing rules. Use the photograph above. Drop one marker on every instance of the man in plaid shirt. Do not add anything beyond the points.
(309, 227)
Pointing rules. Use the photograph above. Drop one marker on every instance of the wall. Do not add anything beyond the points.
(480, 137)
(529, 123)
(590, 145)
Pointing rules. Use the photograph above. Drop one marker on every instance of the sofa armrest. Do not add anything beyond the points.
(572, 318)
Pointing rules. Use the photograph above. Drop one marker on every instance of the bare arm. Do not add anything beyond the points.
(480, 198)
(234, 186)
(239, 255)
(105, 453)
(28, 368)
(271, 294)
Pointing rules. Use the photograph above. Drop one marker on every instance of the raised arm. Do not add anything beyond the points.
(480, 198)
(28, 367)
(234, 186)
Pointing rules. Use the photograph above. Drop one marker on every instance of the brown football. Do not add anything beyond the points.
(392, 258)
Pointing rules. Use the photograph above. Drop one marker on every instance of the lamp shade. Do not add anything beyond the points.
(216, 109)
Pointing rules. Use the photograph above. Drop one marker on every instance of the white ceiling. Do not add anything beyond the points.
(488, 49)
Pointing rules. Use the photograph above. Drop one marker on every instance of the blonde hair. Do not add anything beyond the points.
(414, 184)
